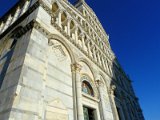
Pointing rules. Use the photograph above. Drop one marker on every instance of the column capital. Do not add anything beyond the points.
(112, 89)
(99, 83)
(75, 67)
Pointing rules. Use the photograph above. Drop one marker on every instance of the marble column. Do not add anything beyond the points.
(107, 66)
(59, 19)
(112, 89)
(102, 104)
(99, 59)
(110, 68)
(103, 64)
(76, 68)
(68, 27)
(83, 43)
(94, 54)
(89, 49)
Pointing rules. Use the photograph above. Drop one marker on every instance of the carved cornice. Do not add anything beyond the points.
(23, 17)
(25, 29)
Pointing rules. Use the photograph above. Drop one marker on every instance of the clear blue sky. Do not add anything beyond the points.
(134, 29)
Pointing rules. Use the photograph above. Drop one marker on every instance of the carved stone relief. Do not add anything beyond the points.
(58, 50)
(56, 110)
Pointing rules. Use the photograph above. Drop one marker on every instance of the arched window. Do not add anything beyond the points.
(55, 7)
(72, 25)
(87, 88)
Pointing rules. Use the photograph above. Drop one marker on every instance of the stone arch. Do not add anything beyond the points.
(103, 80)
(72, 28)
(88, 71)
(72, 24)
(89, 65)
(59, 78)
(62, 41)
(87, 27)
(80, 35)
(83, 23)
(91, 83)
(63, 16)
(79, 30)
(55, 7)
(64, 20)
(88, 83)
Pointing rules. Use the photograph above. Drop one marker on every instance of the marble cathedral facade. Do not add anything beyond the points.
(56, 63)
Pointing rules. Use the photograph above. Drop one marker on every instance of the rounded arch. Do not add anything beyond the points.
(104, 81)
(64, 16)
(89, 65)
(103, 77)
(79, 30)
(65, 44)
(87, 86)
(55, 7)
(72, 24)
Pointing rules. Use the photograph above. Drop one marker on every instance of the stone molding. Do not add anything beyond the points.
(19, 20)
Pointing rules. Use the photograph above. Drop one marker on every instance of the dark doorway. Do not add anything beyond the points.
(89, 114)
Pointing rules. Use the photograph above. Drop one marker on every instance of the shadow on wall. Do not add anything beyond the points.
(7, 84)
(7, 58)
(6, 54)
(118, 86)
(125, 103)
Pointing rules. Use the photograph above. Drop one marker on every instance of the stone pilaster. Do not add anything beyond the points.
(112, 89)
(76, 68)
(59, 19)
(124, 107)
(102, 104)
(68, 27)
